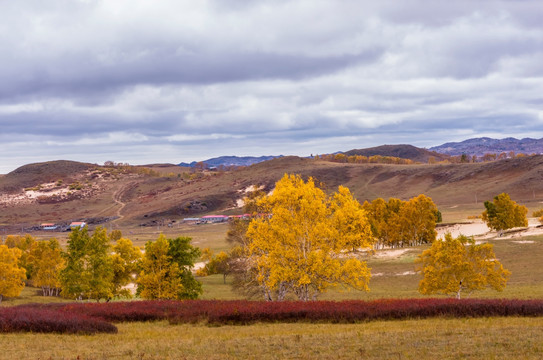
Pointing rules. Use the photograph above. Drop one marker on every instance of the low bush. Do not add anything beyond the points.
(246, 312)
(94, 317)
(43, 320)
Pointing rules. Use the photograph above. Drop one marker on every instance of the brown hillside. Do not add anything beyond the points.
(39, 173)
(145, 200)
(401, 151)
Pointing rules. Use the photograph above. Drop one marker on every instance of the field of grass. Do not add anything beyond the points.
(485, 338)
(393, 277)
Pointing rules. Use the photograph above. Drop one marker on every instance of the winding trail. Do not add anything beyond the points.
(117, 197)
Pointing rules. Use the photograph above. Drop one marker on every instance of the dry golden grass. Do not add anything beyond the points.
(486, 338)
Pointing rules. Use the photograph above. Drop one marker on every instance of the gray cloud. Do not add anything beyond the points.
(179, 81)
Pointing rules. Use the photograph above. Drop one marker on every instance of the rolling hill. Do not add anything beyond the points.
(401, 151)
(143, 198)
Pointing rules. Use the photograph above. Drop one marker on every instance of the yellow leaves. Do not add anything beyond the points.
(453, 265)
(11, 275)
(307, 240)
(403, 223)
(48, 263)
(503, 213)
(159, 278)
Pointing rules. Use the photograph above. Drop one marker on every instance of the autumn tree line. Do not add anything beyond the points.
(303, 243)
(316, 241)
(91, 268)
(381, 159)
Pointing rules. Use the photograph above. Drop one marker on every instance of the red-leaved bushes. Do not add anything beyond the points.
(94, 317)
(43, 320)
(246, 312)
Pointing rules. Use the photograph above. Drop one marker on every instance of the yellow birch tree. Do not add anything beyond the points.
(304, 246)
(12, 276)
(455, 265)
(503, 213)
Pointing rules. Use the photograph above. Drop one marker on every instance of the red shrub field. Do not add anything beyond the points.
(95, 317)
(44, 320)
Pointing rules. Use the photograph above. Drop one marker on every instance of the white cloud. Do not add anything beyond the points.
(181, 80)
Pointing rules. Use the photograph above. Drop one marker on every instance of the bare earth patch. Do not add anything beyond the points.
(479, 230)
(386, 254)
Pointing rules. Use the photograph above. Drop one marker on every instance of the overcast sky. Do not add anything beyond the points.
(143, 81)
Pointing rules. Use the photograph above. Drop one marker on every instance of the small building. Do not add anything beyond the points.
(77, 224)
(191, 220)
(240, 217)
(214, 218)
(48, 226)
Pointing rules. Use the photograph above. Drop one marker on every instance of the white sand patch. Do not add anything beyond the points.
(524, 242)
(479, 230)
(405, 273)
(240, 203)
(33, 194)
(251, 188)
(475, 228)
(390, 253)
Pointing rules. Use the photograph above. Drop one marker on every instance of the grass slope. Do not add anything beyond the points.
(487, 338)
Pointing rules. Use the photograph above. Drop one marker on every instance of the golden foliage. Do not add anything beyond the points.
(304, 246)
(160, 278)
(12, 276)
(398, 223)
(503, 213)
(453, 265)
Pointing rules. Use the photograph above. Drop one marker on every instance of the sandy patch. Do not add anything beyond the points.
(390, 253)
(475, 228)
(405, 273)
(479, 230)
(524, 242)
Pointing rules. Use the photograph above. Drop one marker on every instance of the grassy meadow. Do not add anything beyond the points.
(484, 338)
(393, 277)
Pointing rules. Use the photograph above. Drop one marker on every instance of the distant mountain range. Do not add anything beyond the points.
(485, 145)
(232, 161)
(476, 146)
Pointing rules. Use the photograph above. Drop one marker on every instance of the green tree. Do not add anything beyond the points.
(89, 271)
(184, 255)
(304, 248)
(454, 265)
(503, 213)
(12, 275)
(160, 277)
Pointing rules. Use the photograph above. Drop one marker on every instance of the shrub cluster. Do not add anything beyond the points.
(246, 312)
(44, 320)
(95, 317)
